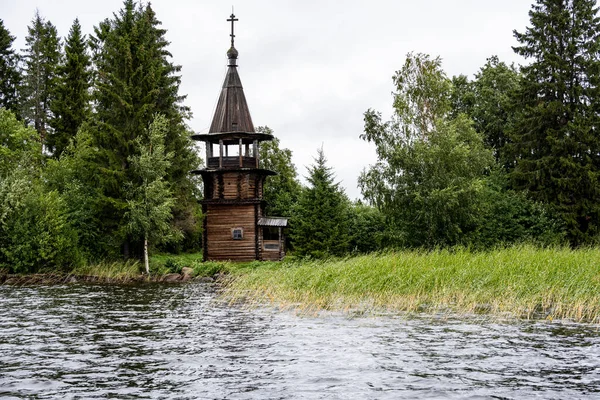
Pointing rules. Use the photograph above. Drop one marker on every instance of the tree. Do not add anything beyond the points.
(493, 112)
(42, 57)
(35, 231)
(367, 228)
(71, 103)
(321, 227)
(430, 168)
(10, 76)
(488, 100)
(76, 176)
(282, 190)
(134, 80)
(555, 138)
(16, 142)
(150, 200)
(508, 217)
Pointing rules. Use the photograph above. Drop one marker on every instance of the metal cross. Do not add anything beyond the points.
(232, 19)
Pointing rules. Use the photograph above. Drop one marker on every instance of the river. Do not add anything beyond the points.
(178, 342)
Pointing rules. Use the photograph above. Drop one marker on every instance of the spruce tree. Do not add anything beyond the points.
(134, 80)
(71, 103)
(42, 56)
(555, 138)
(321, 225)
(10, 76)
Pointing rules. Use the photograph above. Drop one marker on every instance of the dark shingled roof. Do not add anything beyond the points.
(232, 113)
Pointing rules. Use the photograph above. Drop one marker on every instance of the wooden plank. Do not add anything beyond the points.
(220, 222)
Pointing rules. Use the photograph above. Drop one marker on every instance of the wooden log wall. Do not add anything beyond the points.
(233, 185)
(220, 220)
(271, 254)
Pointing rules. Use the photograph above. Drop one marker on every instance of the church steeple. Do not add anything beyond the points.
(235, 227)
(232, 113)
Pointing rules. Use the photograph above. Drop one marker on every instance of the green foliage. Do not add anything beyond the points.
(429, 176)
(71, 103)
(10, 76)
(35, 230)
(209, 268)
(367, 228)
(488, 100)
(135, 80)
(555, 140)
(422, 96)
(76, 175)
(321, 225)
(173, 266)
(282, 190)
(509, 217)
(42, 57)
(150, 200)
(36, 234)
(17, 143)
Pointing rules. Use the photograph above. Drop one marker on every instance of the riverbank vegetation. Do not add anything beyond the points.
(516, 282)
(95, 161)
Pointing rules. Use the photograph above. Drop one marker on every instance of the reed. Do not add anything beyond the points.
(115, 271)
(523, 281)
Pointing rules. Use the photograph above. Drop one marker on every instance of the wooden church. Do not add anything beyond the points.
(235, 227)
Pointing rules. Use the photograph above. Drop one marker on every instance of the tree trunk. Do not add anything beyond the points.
(146, 254)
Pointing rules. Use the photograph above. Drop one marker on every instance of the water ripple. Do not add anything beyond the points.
(176, 342)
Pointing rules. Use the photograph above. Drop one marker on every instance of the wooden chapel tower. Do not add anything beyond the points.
(234, 225)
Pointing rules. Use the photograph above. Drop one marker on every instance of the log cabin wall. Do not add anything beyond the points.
(220, 221)
(233, 185)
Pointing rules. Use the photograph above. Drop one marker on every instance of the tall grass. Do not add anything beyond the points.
(555, 283)
(116, 271)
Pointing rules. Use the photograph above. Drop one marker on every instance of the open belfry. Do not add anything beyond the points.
(235, 227)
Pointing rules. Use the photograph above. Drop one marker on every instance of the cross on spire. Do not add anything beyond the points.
(232, 19)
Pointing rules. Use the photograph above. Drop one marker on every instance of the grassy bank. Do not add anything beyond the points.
(162, 267)
(521, 281)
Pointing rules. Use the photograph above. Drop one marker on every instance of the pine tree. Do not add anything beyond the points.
(134, 80)
(556, 142)
(42, 57)
(71, 104)
(321, 227)
(10, 76)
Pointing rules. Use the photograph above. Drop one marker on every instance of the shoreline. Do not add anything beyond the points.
(60, 279)
(524, 282)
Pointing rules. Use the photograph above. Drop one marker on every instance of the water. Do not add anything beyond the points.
(176, 342)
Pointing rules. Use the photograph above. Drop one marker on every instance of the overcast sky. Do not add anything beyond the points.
(310, 69)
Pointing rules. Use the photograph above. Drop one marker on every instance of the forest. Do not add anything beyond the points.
(95, 150)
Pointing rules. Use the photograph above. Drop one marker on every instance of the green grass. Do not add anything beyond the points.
(116, 271)
(556, 283)
(161, 264)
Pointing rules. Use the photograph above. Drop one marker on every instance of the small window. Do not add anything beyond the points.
(237, 233)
